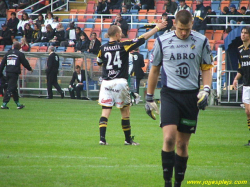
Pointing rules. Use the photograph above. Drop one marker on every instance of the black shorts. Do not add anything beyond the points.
(179, 108)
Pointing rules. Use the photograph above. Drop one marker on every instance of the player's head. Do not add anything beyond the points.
(78, 69)
(16, 45)
(183, 24)
(245, 34)
(115, 32)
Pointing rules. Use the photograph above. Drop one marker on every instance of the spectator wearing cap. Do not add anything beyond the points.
(233, 20)
(5, 35)
(12, 24)
(210, 20)
(3, 8)
(199, 17)
(169, 20)
(182, 6)
(124, 12)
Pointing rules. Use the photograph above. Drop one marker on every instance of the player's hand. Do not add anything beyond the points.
(151, 106)
(31, 70)
(235, 84)
(162, 25)
(203, 98)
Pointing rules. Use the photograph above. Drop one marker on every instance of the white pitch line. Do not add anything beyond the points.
(62, 157)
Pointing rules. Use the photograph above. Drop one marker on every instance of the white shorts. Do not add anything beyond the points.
(114, 92)
(246, 94)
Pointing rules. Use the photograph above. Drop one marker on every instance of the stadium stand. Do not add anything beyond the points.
(215, 5)
(150, 45)
(223, 4)
(1, 47)
(209, 34)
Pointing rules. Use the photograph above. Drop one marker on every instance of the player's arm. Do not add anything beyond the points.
(235, 83)
(157, 28)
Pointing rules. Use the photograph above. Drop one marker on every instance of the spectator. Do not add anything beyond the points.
(79, 76)
(102, 7)
(28, 32)
(114, 4)
(24, 45)
(12, 24)
(25, 19)
(182, 6)
(13, 4)
(59, 35)
(210, 20)
(23, 4)
(94, 45)
(128, 4)
(48, 20)
(5, 35)
(36, 36)
(243, 19)
(40, 20)
(137, 5)
(3, 8)
(82, 45)
(222, 20)
(199, 17)
(119, 21)
(72, 35)
(170, 6)
(47, 36)
(169, 20)
(54, 23)
(147, 4)
(124, 12)
(233, 20)
(38, 6)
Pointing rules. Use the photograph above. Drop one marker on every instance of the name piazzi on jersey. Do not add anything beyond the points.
(181, 60)
(114, 58)
(244, 64)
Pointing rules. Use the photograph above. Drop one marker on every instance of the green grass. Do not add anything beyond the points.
(55, 143)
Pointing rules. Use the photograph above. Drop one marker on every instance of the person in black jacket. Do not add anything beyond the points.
(138, 64)
(12, 61)
(82, 45)
(12, 24)
(210, 20)
(94, 45)
(5, 35)
(233, 12)
(59, 35)
(51, 72)
(47, 36)
(119, 21)
(3, 85)
(36, 36)
(28, 32)
(79, 76)
(199, 17)
(102, 8)
(169, 20)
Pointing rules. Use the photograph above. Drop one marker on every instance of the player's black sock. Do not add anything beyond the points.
(103, 123)
(126, 128)
(248, 123)
(168, 160)
(180, 168)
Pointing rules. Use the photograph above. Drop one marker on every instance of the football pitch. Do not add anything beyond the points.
(55, 143)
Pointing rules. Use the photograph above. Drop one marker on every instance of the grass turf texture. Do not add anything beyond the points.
(55, 143)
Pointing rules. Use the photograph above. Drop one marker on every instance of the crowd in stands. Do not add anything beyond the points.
(49, 31)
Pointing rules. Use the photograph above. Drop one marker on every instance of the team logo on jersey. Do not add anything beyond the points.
(172, 47)
(182, 70)
(192, 46)
(135, 40)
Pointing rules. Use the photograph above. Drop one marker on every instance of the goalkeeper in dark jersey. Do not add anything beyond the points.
(180, 55)
(244, 72)
(113, 57)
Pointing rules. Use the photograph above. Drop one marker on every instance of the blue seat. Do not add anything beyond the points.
(7, 47)
(134, 11)
(215, 5)
(60, 49)
(66, 20)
